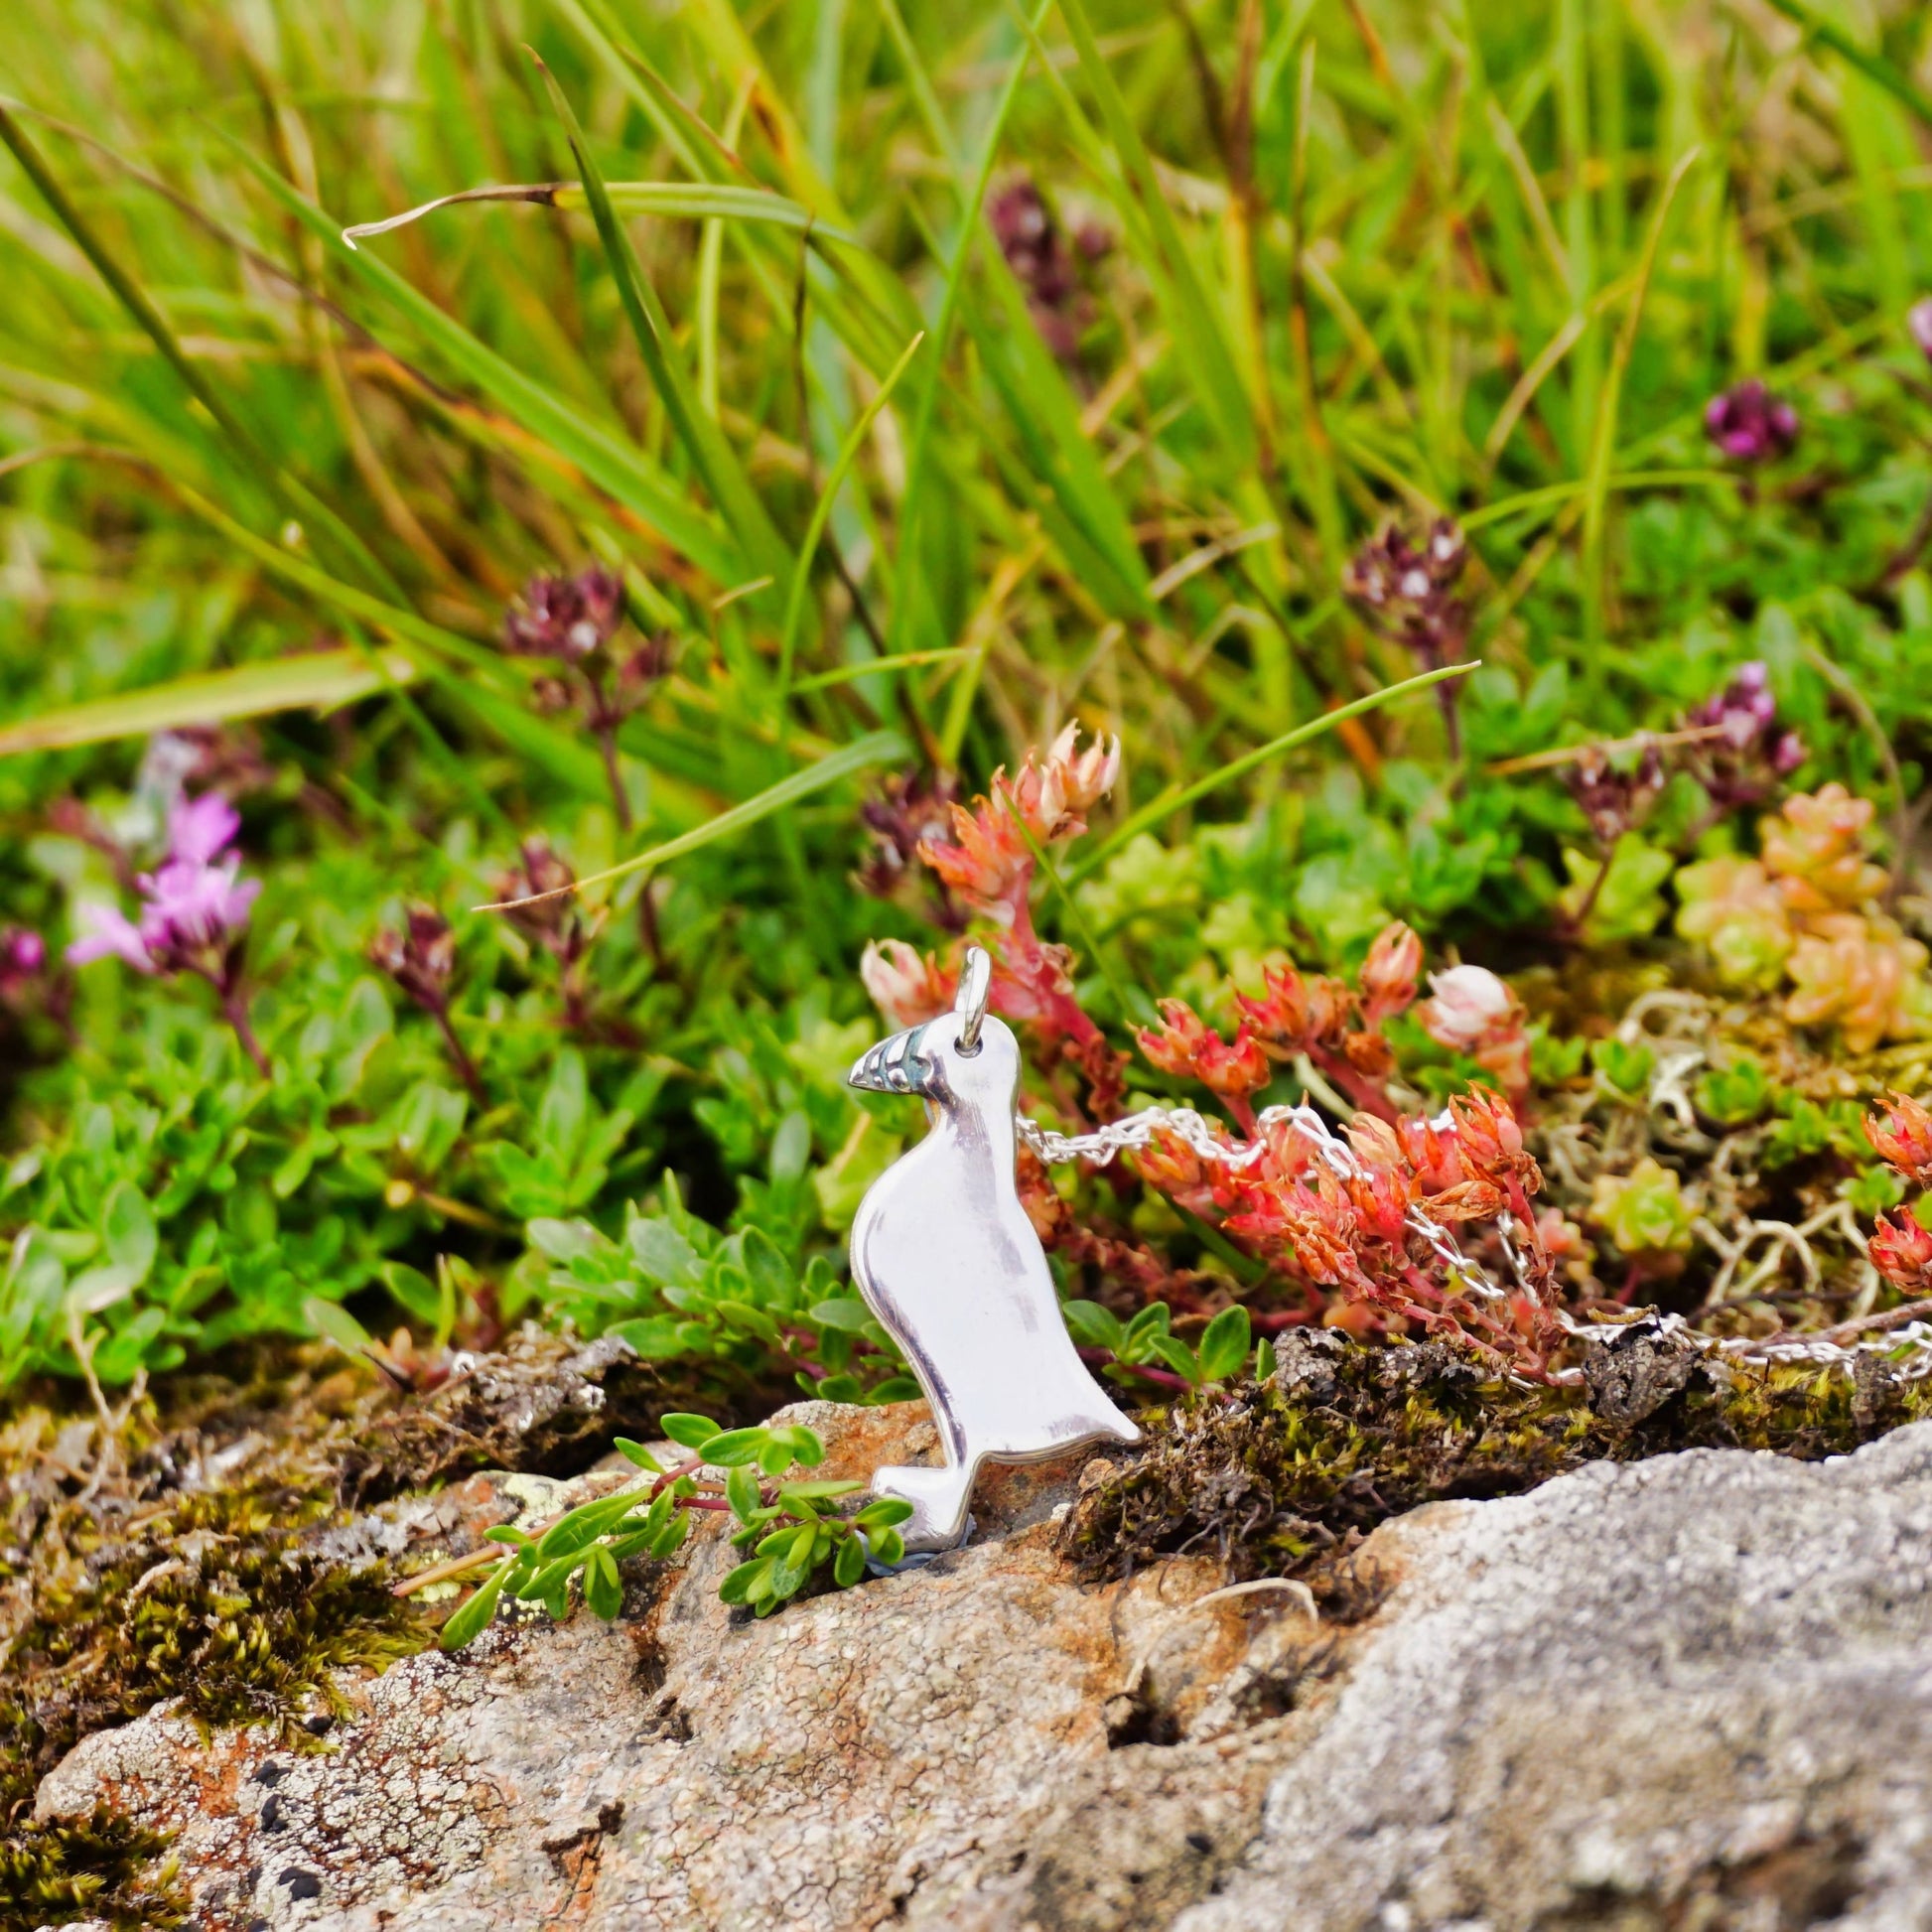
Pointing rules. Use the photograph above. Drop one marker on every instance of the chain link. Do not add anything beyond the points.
(1102, 1144)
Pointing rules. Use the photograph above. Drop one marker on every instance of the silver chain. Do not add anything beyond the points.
(1103, 1142)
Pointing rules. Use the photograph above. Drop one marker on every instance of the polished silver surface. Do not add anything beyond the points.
(945, 1257)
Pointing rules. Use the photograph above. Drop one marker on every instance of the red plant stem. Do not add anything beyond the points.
(234, 1007)
(465, 1067)
(1363, 1091)
(1162, 1377)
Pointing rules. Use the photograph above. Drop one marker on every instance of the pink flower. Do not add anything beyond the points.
(194, 905)
(1468, 1003)
(22, 952)
(1389, 973)
(1902, 1250)
(1053, 796)
(1902, 1136)
(1473, 1012)
(907, 989)
(191, 905)
(201, 829)
(113, 934)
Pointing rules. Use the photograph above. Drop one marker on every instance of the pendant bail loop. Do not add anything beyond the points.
(975, 987)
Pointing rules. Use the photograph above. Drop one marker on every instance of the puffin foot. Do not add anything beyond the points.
(938, 1498)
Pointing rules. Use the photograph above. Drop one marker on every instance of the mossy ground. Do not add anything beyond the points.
(152, 1577)
(123, 1588)
(1289, 1477)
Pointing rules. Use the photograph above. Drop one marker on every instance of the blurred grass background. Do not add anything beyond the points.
(1312, 265)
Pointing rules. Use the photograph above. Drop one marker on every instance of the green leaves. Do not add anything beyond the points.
(793, 1533)
(1221, 1352)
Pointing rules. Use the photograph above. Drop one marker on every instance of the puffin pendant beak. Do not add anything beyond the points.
(894, 1065)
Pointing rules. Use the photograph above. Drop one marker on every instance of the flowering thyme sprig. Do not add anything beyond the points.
(1408, 593)
(421, 959)
(555, 924)
(1751, 425)
(573, 621)
(1037, 251)
(910, 808)
(193, 912)
(1752, 753)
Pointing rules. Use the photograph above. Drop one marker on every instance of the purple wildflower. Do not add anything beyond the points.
(571, 620)
(1918, 320)
(567, 618)
(910, 808)
(1037, 252)
(193, 914)
(23, 956)
(1407, 592)
(1614, 797)
(556, 925)
(421, 959)
(1743, 763)
(1749, 424)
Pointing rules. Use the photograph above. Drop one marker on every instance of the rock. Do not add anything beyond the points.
(1692, 1692)
(540, 1404)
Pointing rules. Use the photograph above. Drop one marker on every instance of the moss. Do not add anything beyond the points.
(119, 1601)
(97, 1867)
(1289, 1477)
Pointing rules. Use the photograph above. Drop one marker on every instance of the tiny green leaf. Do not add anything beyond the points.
(637, 1452)
(742, 1492)
(469, 1617)
(849, 1566)
(602, 1589)
(1224, 1345)
(1094, 1325)
(740, 1584)
(689, 1431)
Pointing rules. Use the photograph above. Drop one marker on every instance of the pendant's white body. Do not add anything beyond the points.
(945, 1257)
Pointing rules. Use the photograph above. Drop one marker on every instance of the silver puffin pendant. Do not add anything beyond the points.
(945, 1257)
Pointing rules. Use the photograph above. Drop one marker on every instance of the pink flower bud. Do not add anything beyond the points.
(1902, 1139)
(907, 989)
(1389, 973)
(1470, 1003)
(1902, 1250)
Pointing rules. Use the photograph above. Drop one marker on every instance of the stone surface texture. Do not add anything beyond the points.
(1689, 1694)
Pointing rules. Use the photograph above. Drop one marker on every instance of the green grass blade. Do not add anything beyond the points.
(288, 491)
(919, 466)
(1205, 352)
(716, 461)
(1171, 802)
(1875, 66)
(1603, 439)
(685, 200)
(875, 747)
(320, 681)
(821, 515)
(626, 472)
